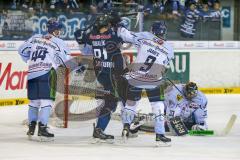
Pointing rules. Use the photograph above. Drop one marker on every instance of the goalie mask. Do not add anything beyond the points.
(191, 90)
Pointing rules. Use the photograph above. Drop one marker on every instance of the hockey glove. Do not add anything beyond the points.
(199, 127)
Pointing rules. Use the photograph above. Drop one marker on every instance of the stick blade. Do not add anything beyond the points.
(229, 125)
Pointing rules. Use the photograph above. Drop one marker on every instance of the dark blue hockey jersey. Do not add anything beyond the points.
(105, 48)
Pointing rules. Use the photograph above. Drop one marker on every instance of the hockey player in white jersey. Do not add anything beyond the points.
(187, 102)
(153, 57)
(43, 54)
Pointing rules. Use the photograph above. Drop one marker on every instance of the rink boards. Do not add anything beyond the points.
(215, 70)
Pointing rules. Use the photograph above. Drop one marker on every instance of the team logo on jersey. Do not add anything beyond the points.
(179, 97)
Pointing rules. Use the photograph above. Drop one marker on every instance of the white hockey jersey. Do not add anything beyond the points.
(153, 58)
(43, 52)
(189, 110)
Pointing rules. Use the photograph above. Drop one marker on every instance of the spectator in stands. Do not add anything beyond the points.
(5, 31)
(188, 27)
(73, 4)
(25, 4)
(211, 3)
(58, 4)
(104, 5)
(93, 9)
(37, 5)
(216, 12)
(205, 12)
(178, 6)
(154, 6)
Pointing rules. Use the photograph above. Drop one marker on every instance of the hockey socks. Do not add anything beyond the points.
(44, 114)
(103, 121)
(32, 114)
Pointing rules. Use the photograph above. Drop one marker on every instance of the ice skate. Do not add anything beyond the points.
(128, 132)
(44, 135)
(125, 132)
(31, 129)
(100, 137)
(162, 141)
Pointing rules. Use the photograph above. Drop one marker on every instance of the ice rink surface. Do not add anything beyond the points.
(74, 142)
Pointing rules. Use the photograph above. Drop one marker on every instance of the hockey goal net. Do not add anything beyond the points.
(77, 99)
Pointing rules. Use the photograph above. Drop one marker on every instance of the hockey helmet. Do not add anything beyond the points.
(191, 90)
(53, 25)
(159, 29)
(102, 21)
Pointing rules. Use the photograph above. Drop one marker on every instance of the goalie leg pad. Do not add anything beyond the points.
(178, 126)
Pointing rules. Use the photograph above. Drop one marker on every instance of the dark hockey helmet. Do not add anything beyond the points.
(159, 29)
(53, 25)
(191, 90)
(102, 21)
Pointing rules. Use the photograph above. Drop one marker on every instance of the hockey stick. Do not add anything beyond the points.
(223, 133)
(175, 86)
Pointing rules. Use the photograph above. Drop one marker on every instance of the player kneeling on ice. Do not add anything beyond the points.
(188, 103)
(153, 57)
(43, 53)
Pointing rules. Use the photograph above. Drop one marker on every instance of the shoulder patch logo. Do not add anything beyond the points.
(179, 97)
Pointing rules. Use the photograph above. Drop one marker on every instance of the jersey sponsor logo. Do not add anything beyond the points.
(14, 80)
(104, 36)
(46, 43)
(156, 47)
(40, 65)
(145, 42)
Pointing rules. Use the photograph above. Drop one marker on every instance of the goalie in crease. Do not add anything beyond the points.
(188, 103)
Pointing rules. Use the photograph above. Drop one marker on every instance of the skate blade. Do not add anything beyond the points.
(124, 139)
(163, 144)
(124, 136)
(45, 139)
(99, 141)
